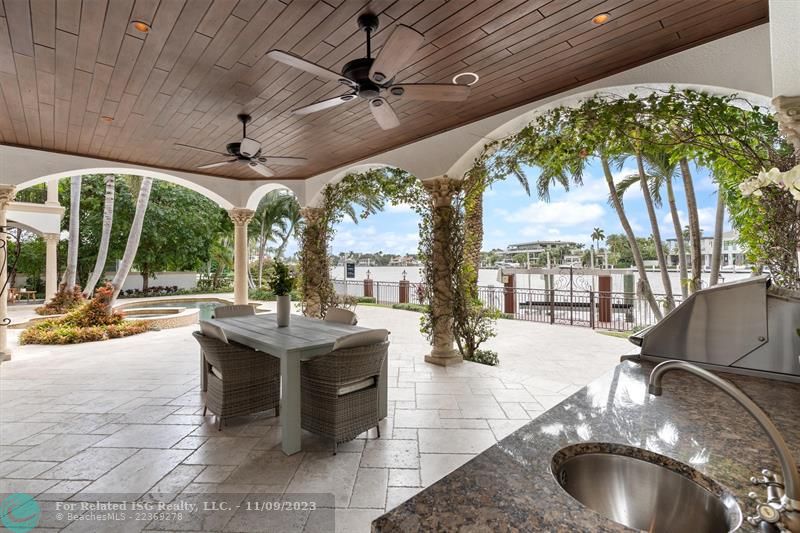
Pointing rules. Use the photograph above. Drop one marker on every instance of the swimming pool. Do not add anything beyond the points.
(206, 308)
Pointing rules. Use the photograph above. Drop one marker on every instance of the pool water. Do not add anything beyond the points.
(206, 308)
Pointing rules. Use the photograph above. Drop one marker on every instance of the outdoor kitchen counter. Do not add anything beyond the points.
(510, 487)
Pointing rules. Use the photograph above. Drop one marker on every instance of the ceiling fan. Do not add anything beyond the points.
(247, 151)
(373, 78)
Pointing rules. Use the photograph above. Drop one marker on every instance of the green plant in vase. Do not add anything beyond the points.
(281, 282)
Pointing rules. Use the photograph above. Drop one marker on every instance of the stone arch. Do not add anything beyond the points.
(510, 127)
(132, 171)
(26, 227)
(261, 191)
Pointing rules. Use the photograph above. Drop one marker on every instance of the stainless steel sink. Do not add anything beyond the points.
(644, 490)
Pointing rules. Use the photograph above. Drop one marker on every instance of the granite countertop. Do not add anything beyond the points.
(509, 487)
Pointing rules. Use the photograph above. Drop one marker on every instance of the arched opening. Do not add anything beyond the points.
(514, 125)
(191, 185)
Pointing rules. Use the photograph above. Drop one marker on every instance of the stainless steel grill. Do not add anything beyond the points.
(747, 326)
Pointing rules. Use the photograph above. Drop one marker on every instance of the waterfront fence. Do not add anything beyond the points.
(616, 311)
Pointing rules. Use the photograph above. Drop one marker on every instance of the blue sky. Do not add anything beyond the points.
(511, 216)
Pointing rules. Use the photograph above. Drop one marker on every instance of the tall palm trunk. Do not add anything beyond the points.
(105, 237)
(651, 213)
(71, 271)
(676, 223)
(716, 252)
(694, 226)
(134, 236)
(626, 226)
(285, 240)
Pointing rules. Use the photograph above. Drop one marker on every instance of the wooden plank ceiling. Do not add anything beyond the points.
(77, 78)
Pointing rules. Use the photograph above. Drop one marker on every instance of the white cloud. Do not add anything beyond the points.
(555, 214)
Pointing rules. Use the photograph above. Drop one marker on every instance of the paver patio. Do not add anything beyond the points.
(125, 416)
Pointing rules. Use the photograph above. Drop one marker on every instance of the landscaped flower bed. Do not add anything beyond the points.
(93, 321)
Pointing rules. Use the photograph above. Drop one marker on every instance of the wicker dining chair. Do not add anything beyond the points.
(223, 311)
(241, 381)
(341, 316)
(339, 391)
(226, 311)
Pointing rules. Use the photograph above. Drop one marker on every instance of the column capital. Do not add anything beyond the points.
(788, 114)
(51, 237)
(7, 193)
(441, 189)
(241, 216)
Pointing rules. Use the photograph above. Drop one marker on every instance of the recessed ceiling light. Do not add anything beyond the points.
(140, 26)
(601, 18)
(466, 78)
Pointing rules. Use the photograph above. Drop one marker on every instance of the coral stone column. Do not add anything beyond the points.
(441, 191)
(51, 265)
(241, 260)
(6, 197)
(314, 262)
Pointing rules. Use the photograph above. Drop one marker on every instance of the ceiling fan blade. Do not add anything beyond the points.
(221, 163)
(261, 169)
(202, 149)
(383, 113)
(323, 104)
(399, 48)
(312, 68)
(284, 161)
(446, 92)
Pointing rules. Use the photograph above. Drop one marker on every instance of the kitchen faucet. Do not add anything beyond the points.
(782, 508)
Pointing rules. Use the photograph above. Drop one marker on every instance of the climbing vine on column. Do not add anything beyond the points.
(356, 196)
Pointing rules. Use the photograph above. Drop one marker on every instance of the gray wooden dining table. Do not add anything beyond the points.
(303, 339)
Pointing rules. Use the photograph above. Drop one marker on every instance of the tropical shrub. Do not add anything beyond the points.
(62, 302)
(157, 290)
(93, 321)
(412, 307)
(265, 295)
(485, 357)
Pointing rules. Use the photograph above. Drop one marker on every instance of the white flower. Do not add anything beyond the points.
(789, 180)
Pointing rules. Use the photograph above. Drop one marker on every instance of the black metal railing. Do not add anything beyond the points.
(617, 311)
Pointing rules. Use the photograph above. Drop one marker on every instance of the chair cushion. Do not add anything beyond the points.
(362, 338)
(213, 331)
(355, 386)
(342, 316)
(216, 372)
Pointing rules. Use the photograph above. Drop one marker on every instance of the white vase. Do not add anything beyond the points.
(284, 310)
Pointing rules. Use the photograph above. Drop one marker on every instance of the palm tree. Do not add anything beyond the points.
(598, 235)
(661, 171)
(134, 236)
(694, 225)
(716, 251)
(651, 213)
(473, 214)
(221, 257)
(293, 217)
(105, 236)
(273, 220)
(71, 271)
(616, 201)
